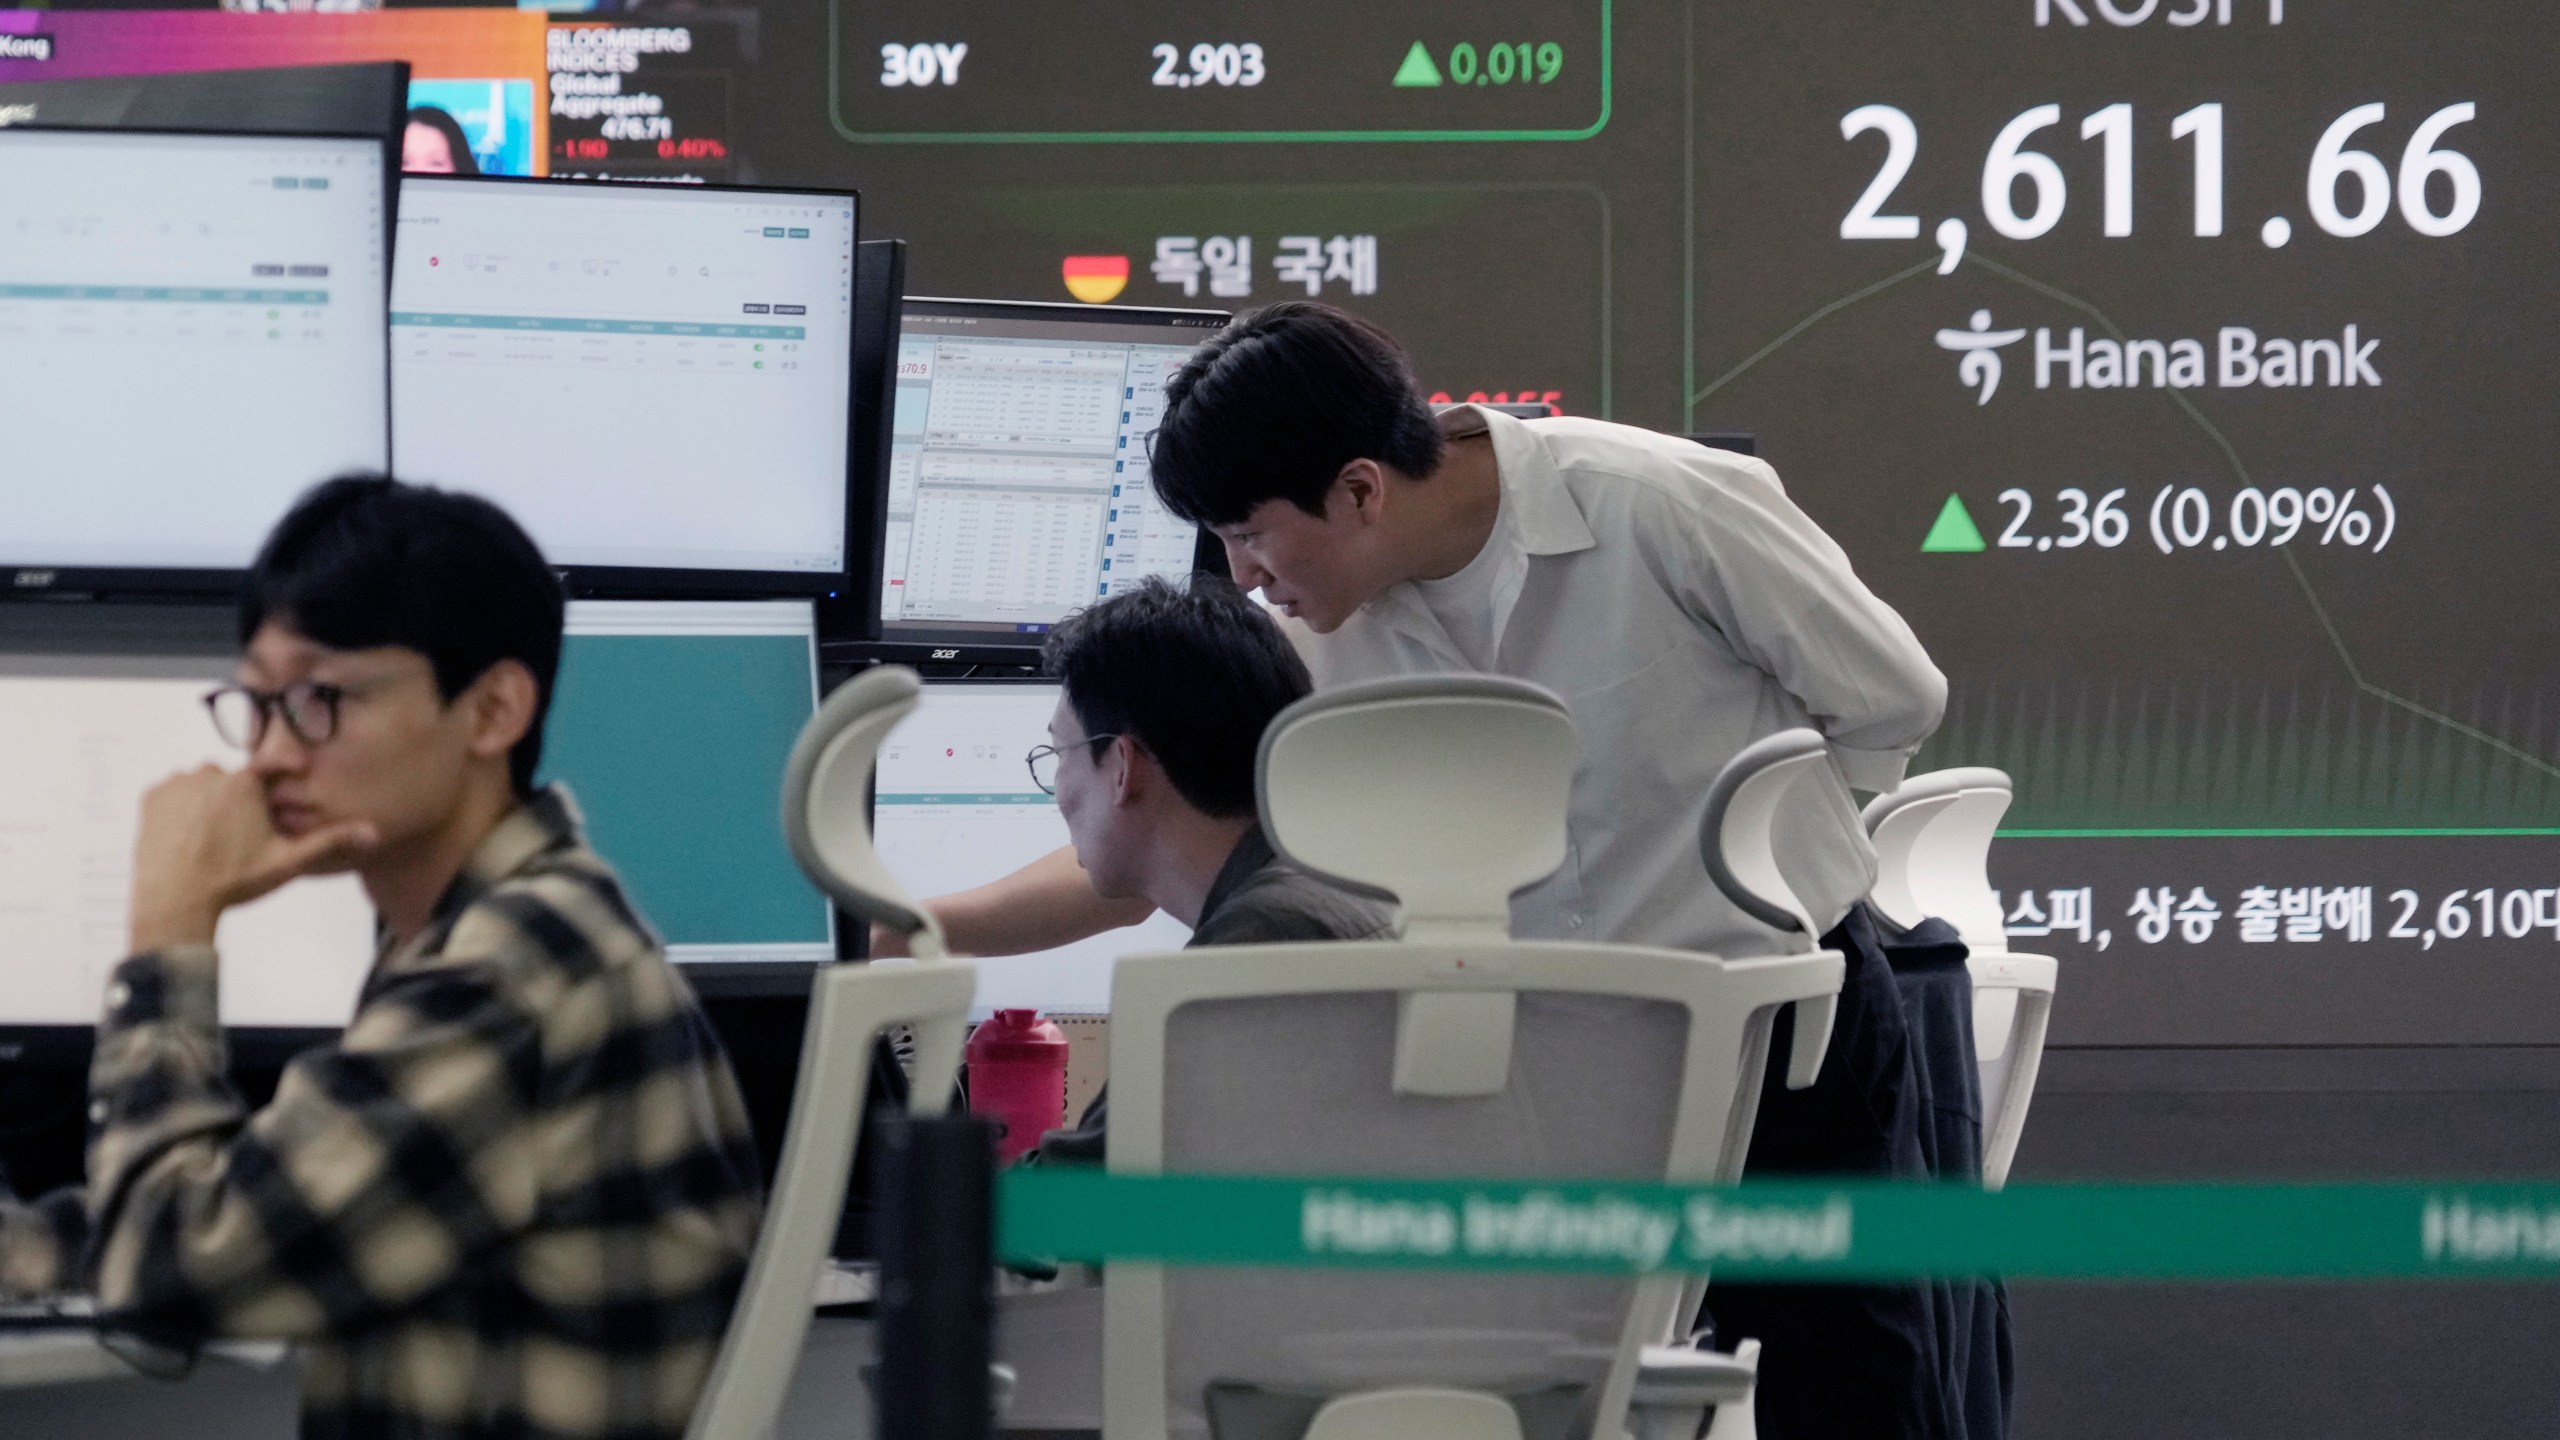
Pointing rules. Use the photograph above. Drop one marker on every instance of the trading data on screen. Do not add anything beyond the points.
(1018, 479)
(191, 333)
(657, 379)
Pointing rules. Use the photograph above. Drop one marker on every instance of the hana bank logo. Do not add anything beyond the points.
(2236, 357)
(1980, 347)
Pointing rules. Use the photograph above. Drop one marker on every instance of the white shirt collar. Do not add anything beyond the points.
(1542, 518)
(1546, 519)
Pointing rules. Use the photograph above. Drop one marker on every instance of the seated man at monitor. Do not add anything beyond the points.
(517, 1196)
(1164, 693)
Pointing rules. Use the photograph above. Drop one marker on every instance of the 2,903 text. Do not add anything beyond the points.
(1230, 65)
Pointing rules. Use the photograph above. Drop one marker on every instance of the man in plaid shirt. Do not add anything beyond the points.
(516, 1198)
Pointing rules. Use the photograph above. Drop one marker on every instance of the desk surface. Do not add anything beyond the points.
(32, 1355)
(55, 1357)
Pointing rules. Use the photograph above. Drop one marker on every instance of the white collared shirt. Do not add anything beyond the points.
(1683, 607)
(1464, 602)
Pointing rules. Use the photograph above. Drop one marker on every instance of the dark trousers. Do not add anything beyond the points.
(1842, 1362)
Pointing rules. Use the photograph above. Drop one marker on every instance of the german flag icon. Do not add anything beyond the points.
(1096, 279)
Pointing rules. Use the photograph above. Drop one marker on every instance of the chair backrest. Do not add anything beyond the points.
(1738, 841)
(850, 1006)
(826, 802)
(2012, 1010)
(1481, 768)
(1453, 1052)
(1933, 845)
(1739, 837)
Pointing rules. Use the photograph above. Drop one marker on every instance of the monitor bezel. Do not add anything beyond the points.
(883, 263)
(638, 582)
(35, 582)
(915, 645)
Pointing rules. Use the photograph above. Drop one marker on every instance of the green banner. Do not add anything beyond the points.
(1810, 1232)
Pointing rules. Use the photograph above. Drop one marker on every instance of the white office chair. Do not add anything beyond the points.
(1933, 843)
(824, 817)
(1455, 1051)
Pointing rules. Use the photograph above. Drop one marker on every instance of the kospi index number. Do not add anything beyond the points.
(2346, 191)
(1151, 70)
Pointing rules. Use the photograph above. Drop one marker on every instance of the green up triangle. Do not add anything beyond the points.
(1417, 68)
(1955, 531)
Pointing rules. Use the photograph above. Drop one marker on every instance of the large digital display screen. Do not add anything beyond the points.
(2170, 363)
(2174, 368)
(481, 70)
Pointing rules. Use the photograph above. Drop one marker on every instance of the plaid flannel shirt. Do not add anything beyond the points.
(516, 1198)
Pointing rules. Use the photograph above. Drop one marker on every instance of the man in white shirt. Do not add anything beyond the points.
(1672, 594)
(1683, 607)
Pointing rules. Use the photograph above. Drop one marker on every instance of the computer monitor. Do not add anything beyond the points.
(86, 737)
(879, 290)
(191, 334)
(1018, 485)
(370, 98)
(671, 726)
(953, 807)
(656, 380)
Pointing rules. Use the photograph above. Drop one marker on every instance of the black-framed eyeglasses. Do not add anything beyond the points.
(1043, 760)
(310, 711)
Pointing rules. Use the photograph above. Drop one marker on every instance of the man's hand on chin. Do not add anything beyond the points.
(207, 844)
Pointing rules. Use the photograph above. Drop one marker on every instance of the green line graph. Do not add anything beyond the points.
(2217, 759)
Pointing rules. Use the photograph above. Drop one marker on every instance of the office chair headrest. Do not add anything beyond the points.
(1738, 837)
(1933, 848)
(1936, 785)
(1444, 792)
(826, 802)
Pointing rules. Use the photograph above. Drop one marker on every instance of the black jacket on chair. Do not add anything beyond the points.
(1843, 1362)
(1976, 1366)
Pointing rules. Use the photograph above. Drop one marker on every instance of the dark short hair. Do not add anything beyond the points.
(458, 144)
(1194, 673)
(1273, 406)
(363, 561)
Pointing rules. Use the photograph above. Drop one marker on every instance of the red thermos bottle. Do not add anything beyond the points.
(1018, 1075)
